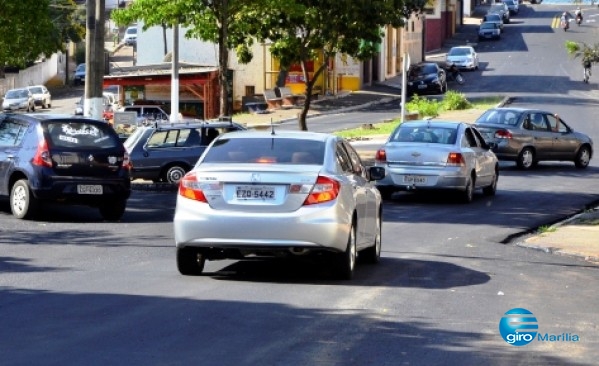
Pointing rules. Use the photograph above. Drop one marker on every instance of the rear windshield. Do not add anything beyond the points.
(266, 150)
(500, 117)
(81, 135)
(433, 135)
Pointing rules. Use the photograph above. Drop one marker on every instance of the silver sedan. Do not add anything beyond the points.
(427, 155)
(528, 136)
(271, 193)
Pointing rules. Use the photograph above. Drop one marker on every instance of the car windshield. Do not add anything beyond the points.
(424, 70)
(496, 8)
(499, 116)
(81, 135)
(131, 30)
(12, 94)
(436, 135)
(80, 68)
(36, 90)
(265, 150)
(459, 52)
(493, 18)
(487, 26)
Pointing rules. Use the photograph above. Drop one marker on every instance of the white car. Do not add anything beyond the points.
(437, 155)
(41, 96)
(130, 37)
(463, 57)
(279, 194)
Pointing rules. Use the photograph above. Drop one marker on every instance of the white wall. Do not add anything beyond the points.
(37, 74)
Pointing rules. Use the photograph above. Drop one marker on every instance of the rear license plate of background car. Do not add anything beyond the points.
(414, 179)
(421, 86)
(89, 189)
(255, 192)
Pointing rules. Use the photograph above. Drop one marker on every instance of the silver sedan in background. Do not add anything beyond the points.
(528, 136)
(427, 155)
(271, 193)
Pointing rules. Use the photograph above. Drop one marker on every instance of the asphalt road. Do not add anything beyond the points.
(76, 290)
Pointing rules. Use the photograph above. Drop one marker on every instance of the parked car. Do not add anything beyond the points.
(165, 152)
(18, 100)
(489, 30)
(68, 160)
(109, 101)
(426, 155)
(41, 96)
(528, 136)
(464, 57)
(426, 77)
(285, 193)
(147, 112)
(79, 75)
(130, 37)
(513, 6)
(502, 10)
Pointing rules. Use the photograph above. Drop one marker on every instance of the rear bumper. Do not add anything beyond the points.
(62, 190)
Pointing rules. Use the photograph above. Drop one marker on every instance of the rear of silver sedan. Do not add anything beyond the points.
(255, 194)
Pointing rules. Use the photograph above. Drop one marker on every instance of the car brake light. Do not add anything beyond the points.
(455, 158)
(381, 155)
(503, 134)
(189, 187)
(325, 189)
(127, 162)
(42, 155)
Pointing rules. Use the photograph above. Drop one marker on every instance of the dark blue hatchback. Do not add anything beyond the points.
(61, 158)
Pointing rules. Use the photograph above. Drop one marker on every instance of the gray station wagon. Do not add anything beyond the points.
(165, 152)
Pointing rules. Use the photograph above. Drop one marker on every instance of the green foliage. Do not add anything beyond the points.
(424, 106)
(583, 51)
(454, 100)
(30, 28)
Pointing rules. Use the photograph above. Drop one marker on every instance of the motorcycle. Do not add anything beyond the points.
(565, 25)
(578, 19)
(454, 74)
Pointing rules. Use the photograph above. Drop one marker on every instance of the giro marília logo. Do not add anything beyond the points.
(518, 327)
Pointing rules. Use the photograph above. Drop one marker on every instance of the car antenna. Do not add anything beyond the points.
(272, 127)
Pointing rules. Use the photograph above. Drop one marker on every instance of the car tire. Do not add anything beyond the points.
(346, 261)
(190, 261)
(583, 157)
(174, 173)
(113, 210)
(490, 190)
(23, 203)
(373, 254)
(467, 194)
(526, 158)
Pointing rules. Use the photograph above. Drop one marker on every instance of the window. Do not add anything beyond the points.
(11, 133)
(68, 134)
(469, 139)
(343, 159)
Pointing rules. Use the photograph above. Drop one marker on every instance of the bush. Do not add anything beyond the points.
(454, 100)
(424, 107)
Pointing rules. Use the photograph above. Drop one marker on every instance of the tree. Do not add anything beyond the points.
(31, 28)
(215, 21)
(583, 50)
(300, 30)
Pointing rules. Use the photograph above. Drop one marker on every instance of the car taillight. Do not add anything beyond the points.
(325, 189)
(42, 155)
(189, 187)
(381, 155)
(127, 162)
(455, 159)
(503, 134)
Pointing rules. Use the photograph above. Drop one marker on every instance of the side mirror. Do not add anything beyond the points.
(492, 145)
(376, 173)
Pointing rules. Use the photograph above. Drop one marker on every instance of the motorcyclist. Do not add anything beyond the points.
(578, 14)
(564, 20)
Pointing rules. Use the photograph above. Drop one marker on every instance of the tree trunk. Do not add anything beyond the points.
(303, 126)
(164, 39)
(223, 59)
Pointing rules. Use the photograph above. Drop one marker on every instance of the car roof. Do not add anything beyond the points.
(518, 109)
(303, 135)
(191, 124)
(431, 123)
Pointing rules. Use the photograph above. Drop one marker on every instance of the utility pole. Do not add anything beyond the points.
(94, 59)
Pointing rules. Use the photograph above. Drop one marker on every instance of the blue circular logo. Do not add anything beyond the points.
(518, 327)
